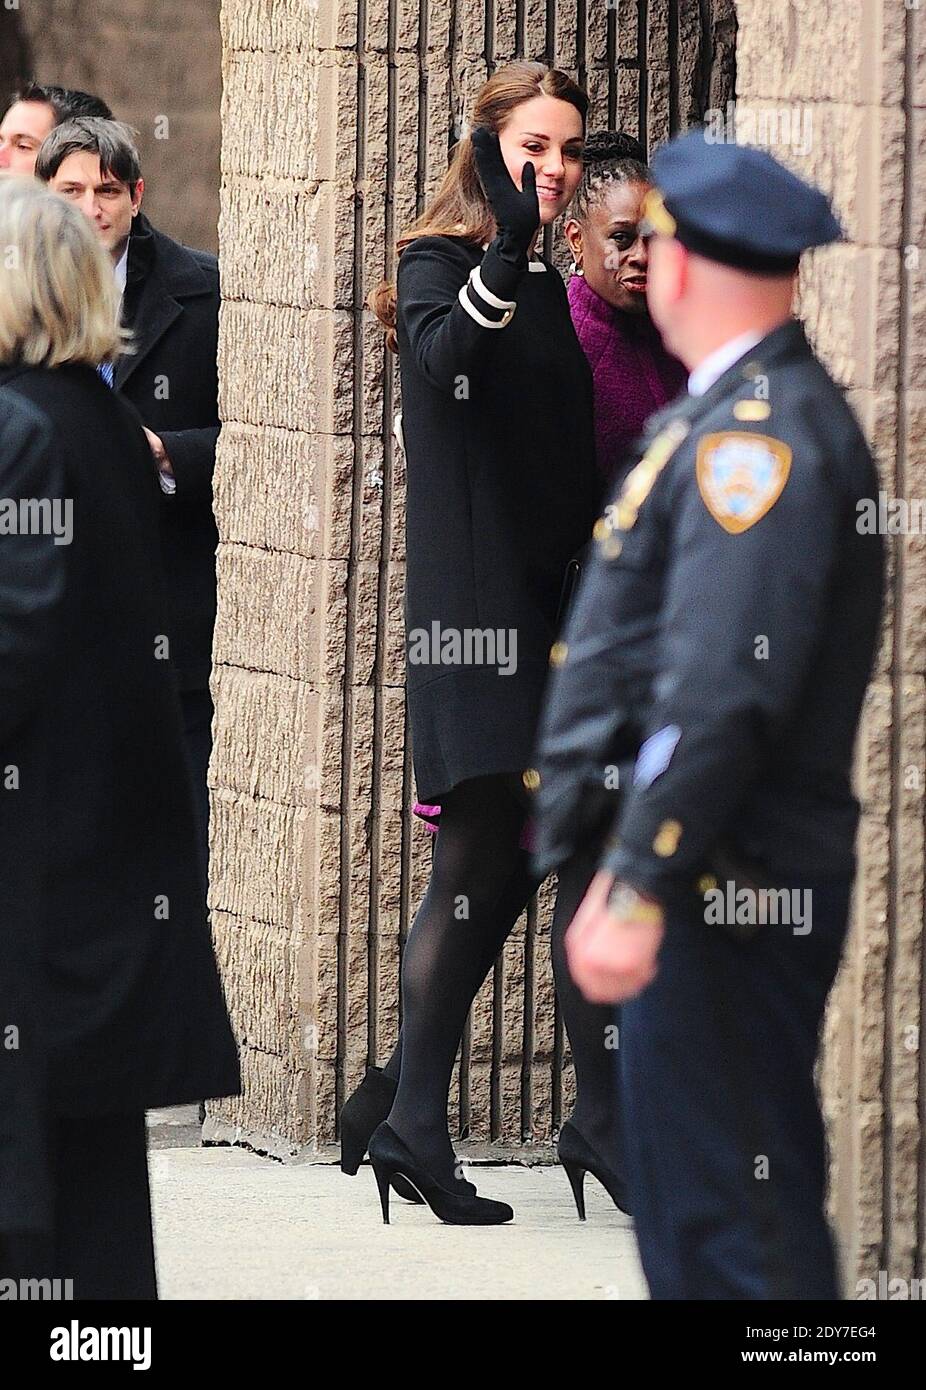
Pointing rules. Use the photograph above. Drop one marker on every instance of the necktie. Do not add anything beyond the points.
(105, 370)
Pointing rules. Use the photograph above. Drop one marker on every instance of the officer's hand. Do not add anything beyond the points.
(612, 957)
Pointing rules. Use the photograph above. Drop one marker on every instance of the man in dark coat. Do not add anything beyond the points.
(720, 645)
(171, 305)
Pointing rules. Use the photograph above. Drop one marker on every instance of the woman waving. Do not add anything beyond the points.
(502, 492)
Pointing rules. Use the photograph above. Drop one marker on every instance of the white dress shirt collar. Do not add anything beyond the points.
(714, 366)
(121, 268)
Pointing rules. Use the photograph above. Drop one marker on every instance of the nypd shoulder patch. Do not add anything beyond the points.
(741, 476)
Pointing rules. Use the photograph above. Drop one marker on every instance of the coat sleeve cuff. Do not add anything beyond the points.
(487, 294)
(642, 872)
(498, 275)
(192, 459)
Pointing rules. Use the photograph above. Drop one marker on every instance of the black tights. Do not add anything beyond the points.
(480, 883)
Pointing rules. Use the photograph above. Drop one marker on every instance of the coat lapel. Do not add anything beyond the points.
(155, 313)
(162, 274)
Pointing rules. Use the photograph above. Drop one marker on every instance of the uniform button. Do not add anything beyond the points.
(558, 653)
(531, 779)
(665, 841)
(752, 410)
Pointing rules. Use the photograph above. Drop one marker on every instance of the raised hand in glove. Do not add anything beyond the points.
(516, 210)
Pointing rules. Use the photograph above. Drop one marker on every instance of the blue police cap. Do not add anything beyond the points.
(736, 204)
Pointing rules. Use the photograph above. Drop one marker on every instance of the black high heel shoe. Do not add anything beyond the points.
(578, 1158)
(361, 1113)
(390, 1158)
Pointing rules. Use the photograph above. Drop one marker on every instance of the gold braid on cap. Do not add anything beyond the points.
(656, 217)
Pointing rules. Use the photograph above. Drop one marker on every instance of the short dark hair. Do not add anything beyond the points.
(66, 102)
(113, 141)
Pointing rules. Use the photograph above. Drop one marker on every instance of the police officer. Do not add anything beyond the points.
(713, 669)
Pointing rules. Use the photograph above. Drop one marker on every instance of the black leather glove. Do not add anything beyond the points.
(516, 211)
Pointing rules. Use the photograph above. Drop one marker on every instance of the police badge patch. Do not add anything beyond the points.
(741, 476)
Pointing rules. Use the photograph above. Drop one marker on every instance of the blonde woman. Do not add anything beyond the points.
(111, 984)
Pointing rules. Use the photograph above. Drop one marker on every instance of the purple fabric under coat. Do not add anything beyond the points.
(633, 374)
(430, 816)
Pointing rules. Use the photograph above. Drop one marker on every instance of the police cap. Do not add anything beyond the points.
(736, 204)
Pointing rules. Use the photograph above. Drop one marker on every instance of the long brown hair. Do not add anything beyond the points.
(460, 208)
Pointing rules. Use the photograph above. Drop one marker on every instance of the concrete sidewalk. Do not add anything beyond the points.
(232, 1225)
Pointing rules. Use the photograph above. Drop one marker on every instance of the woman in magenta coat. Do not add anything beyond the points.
(633, 374)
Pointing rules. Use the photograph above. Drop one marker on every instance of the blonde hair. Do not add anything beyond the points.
(58, 297)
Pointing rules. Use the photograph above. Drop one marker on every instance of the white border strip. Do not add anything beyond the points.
(480, 318)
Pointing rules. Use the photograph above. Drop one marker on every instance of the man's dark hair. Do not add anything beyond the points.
(66, 102)
(113, 141)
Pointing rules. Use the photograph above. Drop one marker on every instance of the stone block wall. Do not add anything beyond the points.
(149, 62)
(338, 118)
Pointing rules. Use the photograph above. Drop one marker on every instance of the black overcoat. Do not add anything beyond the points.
(171, 305)
(502, 492)
(102, 918)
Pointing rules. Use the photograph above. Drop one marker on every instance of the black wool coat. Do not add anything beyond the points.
(502, 492)
(171, 304)
(104, 941)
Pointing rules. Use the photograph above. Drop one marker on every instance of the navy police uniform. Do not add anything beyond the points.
(713, 666)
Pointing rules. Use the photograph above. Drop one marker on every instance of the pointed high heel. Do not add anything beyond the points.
(390, 1158)
(383, 1179)
(361, 1113)
(576, 1175)
(366, 1108)
(578, 1158)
